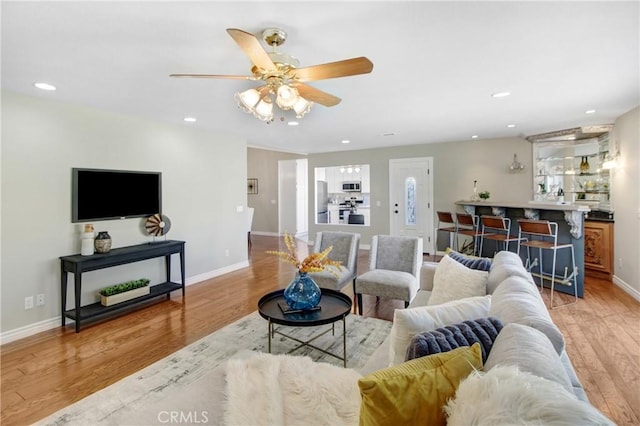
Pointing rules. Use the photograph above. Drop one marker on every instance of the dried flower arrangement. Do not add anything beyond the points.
(315, 262)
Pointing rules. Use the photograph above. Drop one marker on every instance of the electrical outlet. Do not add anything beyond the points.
(226, 252)
(40, 299)
(620, 262)
(28, 302)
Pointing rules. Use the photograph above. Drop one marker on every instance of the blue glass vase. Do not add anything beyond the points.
(302, 292)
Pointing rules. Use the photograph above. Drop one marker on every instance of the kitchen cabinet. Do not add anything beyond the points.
(334, 179)
(598, 249)
(575, 166)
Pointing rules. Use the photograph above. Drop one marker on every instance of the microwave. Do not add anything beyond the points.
(353, 186)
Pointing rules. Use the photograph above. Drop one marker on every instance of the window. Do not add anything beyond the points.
(410, 201)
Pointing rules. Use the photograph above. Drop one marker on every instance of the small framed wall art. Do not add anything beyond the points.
(252, 186)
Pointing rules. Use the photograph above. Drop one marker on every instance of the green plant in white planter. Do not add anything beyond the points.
(124, 291)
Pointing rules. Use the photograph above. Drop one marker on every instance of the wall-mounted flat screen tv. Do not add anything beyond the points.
(99, 194)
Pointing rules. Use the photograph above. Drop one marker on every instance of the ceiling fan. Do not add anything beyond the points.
(281, 78)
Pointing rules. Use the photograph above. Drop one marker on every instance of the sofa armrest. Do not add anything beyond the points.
(427, 273)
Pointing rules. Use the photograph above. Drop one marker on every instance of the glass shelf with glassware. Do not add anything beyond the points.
(572, 171)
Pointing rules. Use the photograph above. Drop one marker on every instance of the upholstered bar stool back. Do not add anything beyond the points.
(543, 235)
(497, 228)
(394, 269)
(345, 250)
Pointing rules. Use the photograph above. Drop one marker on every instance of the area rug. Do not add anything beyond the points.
(179, 374)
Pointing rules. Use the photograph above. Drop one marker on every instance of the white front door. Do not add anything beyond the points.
(411, 199)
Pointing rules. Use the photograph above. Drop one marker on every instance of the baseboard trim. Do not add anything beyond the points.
(31, 329)
(216, 273)
(39, 327)
(626, 288)
(266, 234)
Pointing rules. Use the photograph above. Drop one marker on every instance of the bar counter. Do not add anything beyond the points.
(569, 217)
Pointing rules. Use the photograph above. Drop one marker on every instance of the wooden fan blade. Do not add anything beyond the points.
(233, 77)
(252, 48)
(315, 95)
(344, 68)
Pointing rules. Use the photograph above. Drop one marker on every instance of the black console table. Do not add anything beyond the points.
(77, 264)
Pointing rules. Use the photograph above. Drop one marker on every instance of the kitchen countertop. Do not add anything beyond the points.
(529, 205)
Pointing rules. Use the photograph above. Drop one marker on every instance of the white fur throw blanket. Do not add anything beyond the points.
(270, 389)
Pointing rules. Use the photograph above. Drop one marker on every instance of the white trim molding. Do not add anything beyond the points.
(627, 288)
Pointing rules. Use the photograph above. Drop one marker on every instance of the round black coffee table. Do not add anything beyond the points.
(334, 306)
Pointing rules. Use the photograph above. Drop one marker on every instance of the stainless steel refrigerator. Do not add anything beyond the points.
(322, 201)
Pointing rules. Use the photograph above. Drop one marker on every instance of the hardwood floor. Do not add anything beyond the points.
(46, 372)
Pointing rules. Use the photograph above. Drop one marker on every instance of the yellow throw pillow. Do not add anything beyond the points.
(417, 390)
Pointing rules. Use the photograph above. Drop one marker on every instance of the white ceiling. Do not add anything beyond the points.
(436, 65)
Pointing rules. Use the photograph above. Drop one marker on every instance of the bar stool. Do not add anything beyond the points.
(469, 225)
(447, 218)
(497, 228)
(544, 235)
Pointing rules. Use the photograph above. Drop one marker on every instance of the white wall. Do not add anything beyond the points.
(263, 165)
(42, 140)
(287, 196)
(456, 165)
(626, 202)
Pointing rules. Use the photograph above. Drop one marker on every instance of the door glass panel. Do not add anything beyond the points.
(410, 201)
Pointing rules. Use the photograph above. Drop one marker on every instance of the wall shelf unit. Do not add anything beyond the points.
(569, 166)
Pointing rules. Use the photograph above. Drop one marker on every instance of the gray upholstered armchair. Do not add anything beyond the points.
(394, 269)
(345, 249)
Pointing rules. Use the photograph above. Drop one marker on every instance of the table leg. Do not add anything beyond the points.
(78, 289)
(344, 340)
(269, 338)
(63, 294)
(167, 266)
(182, 272)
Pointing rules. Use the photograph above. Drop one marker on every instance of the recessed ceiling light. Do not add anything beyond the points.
(474, 137)
(293, 123)
(45, 86)
(346, 141)
(511, 126)
(590, 111)
(500, 94)
(190, 119)
(389, 134)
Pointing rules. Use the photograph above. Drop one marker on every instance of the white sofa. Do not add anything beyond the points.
(505, 265)
(528, 377)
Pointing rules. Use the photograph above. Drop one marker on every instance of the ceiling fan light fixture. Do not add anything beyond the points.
(264, 109)
(302, 107)
(247, 100)
(281, 78)
(286, 97)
